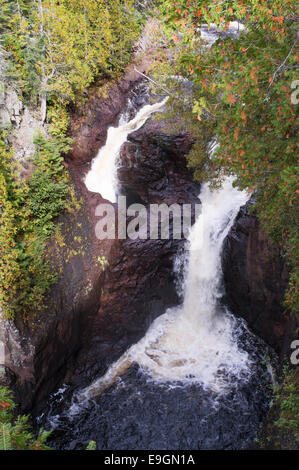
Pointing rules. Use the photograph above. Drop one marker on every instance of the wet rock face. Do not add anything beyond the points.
(90, 122)
(255, 277)
(94, 313)
(158, 163)
(139, 282)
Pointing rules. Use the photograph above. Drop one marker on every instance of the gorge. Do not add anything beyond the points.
(172, 342)
(195, 359)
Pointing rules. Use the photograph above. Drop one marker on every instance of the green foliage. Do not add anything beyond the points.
(25, 50)
(48, 186)
(241, 94)
(59, 119)
(58, 48)
(92, 446)
(281, 429)
(26, 222)
(103, 262)
(287, 399)
(16, 433)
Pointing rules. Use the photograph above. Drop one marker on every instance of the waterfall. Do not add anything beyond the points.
(197, 341)
(198, 379)
(102, 177)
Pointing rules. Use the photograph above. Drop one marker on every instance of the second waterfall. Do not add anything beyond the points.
(199, 378)
(194, 342)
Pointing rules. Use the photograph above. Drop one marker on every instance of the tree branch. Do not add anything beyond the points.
(283, 63)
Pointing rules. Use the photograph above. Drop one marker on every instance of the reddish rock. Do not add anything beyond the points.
(89, 122)
(256, 277)
(95, 314)
(139, 282)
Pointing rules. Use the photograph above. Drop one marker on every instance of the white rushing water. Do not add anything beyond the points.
(102, 177)
(194, 342)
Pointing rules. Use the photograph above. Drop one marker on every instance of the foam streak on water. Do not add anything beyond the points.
(102, 177)
(195, 342)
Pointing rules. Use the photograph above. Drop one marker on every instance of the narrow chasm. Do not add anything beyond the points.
(197, 378)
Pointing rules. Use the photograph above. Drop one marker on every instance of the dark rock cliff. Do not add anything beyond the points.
(139, 282)
(96, 311)
(255, 278)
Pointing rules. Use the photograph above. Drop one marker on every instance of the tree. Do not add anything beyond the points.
(241, 95)
(16, 433)
(72, 43)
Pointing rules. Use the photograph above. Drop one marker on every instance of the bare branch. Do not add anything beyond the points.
(283, 63)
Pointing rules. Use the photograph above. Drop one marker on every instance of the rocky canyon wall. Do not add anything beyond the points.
(108, 291)
(256, 277)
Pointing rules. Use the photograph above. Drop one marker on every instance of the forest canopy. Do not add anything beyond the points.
(53, 51)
